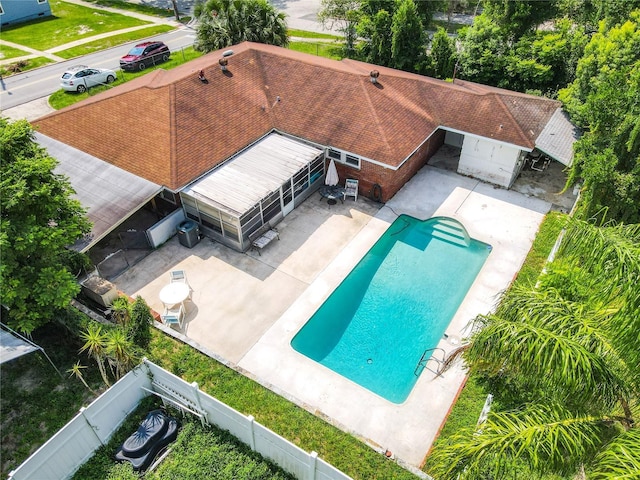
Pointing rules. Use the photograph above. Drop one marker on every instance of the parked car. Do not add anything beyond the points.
(145, 54)
(80, 78)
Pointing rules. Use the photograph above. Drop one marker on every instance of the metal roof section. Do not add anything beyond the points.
(557, 138)
(243, 181)
(110, 194)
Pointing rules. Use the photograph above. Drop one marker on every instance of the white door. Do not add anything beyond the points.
(286, 197)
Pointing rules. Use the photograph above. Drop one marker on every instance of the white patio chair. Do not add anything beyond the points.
(180, 276)
(173, 315)
(351, 189)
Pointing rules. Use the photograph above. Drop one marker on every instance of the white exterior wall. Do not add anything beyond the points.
(488, 160)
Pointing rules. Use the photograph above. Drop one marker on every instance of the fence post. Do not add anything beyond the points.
(82, 409)
(252, 437)
(312, 463)
(196, 400)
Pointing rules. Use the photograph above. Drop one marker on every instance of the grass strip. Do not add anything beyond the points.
(113, 41)
(198, 452)
(7, 52)
(24, 65)
(546, 237)
(328, 50)
(69, 22)
(306, 34)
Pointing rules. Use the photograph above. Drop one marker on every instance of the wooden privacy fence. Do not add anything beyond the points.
(75, 443)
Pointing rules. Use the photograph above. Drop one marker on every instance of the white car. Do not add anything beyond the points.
(80, 78)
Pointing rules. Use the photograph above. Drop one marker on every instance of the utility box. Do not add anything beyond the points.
(101, 291)
(188, 233)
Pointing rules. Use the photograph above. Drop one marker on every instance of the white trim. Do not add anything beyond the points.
(526, 149)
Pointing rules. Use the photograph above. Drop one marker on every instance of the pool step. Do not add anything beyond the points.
(450, 230)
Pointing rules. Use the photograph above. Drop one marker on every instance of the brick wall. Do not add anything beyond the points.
(390, 180)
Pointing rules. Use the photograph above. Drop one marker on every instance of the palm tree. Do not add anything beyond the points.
(76, 371)
(120, 352)
(95, 343)
(227, 22)
(569, 351)
(121, 311)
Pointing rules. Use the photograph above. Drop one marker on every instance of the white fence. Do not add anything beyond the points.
(75, 443)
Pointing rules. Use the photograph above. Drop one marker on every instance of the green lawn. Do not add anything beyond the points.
(7, 52)
(197, 453)
(136, 7)
(68, 23)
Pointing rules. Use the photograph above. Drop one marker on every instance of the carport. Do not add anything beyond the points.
(110, 194)
(261, 184)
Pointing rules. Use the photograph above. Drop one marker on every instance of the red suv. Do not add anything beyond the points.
(145, 54)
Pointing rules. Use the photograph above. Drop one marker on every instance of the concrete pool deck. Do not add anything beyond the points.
(246, 308)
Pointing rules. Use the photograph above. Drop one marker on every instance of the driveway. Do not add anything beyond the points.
(246, 308)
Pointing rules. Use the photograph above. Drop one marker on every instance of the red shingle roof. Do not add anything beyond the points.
(170, 128)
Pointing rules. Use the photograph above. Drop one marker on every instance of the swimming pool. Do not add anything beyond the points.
(395, 304)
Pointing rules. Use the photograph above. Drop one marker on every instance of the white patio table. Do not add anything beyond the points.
(174, 293)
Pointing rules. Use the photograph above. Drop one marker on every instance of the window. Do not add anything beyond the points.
(352, 160)
(345, 158)
(42, 1)
(1, 10)
(335, 154)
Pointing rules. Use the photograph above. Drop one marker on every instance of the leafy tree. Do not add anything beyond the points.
(427, 9)
(518, 18)
(442, 55)
(604, 100)
(227, 22)
(569, 354)
(544, 61)
(39, 220)
(483, 52)
(344, 15)
(141, 320)
(407, 37)
(376, 48)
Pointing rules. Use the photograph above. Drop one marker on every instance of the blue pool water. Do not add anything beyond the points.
(395, 304)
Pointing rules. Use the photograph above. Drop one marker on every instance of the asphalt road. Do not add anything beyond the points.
(41, 82)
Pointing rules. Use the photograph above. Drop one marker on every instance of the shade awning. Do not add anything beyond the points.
(110, 194)
(12, 346)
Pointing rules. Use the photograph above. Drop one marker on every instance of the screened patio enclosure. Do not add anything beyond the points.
(261, 184)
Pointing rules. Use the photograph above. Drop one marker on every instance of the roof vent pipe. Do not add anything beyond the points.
(223, 64)
(373, 75)
(227, 53)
